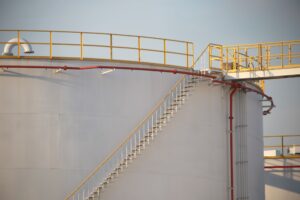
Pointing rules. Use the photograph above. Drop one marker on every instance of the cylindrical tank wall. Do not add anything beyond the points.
(55, 127)
(189, 158)
(248, 134)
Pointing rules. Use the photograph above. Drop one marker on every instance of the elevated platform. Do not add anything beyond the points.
(273, 73)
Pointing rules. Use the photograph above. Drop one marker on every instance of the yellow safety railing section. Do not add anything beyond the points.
(49, 44)
(254, 57)
(282, 145)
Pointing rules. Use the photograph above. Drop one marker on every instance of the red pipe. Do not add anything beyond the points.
(231, 141)
(173, 71)
(282, 167)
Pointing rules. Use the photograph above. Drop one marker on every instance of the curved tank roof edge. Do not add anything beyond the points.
(75, 62)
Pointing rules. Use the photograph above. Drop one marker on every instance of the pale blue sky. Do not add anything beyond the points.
(224, 22)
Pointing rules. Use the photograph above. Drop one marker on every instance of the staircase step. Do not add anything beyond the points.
(99, 188)
(132, 155)
(188, 86)
(128, 159)
(148, 136)
(163, 118)
(119, 168)
(145, 140)
(179, 100)
(172, 109)
(152, 132)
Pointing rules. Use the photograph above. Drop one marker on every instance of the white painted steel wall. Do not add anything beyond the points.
(189, 159)
(55, 128)
(254, 139)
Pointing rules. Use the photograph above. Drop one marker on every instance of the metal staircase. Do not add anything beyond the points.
(133, 145)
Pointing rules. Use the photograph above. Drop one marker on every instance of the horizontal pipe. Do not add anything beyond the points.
(173, 71)
(282, 167)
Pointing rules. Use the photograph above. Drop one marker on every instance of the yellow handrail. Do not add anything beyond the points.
(200, 55)
(183, 54)
(274, 136)
(262, 56)
(282, 145)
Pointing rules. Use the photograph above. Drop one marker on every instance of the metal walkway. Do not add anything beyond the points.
(254, 61)
(235, 62)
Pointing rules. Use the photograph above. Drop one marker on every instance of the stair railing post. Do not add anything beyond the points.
(282, 146)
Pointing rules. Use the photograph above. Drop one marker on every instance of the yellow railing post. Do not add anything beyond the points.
(139, 47)
(262, 85)
(260, 56)
(234, 59)
(268, 50)
(81, 46)
(221, 57)
(238, 58)
(289, 54)
(193, 49)
(246, 57)
(227, 58)
(282, 145)
(209, 57)
(111, 46)
(19, 44)
(282, 54)
(187, 54)
(165, 53)
(50, 43)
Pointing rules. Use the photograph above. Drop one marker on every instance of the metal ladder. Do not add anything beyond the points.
(92, 186)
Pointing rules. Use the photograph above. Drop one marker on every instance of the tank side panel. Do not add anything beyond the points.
(55, 127)
(255, 147)
(187, 160)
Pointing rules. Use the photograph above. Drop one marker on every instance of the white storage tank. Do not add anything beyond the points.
(57, 125)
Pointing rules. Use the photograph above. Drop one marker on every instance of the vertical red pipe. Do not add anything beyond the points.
(231, 142)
